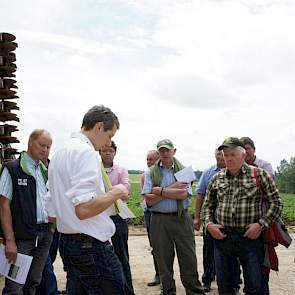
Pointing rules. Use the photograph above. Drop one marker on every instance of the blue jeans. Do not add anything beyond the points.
(39, 254)
(250, 254)
(92, 267)
(48, 285)
(209, 263)
(147, 221)
(120, 244)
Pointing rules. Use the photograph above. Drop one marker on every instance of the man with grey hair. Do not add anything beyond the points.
(233, 217)
(23, 217)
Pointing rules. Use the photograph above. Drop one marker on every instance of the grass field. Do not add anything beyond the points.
(134, 203)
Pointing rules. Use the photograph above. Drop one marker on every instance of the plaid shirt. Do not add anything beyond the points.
(235, 201)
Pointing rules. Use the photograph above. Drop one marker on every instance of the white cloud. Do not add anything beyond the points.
(192, 71)
(192, 91)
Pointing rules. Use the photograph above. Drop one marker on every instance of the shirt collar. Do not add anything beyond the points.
(29, 160)
(82, 137)
(244, 170)
(161, 165)
(216, 168)
(110, 169)
(28, 164)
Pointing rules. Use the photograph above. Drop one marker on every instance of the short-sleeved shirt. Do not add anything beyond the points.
(34, 170)
(166, 205)
(205, 179)
(75, 177)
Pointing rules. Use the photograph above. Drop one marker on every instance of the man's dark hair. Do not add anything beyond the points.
(248, 140)
(100, 114)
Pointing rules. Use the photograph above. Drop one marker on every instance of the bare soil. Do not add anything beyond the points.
(281, 283)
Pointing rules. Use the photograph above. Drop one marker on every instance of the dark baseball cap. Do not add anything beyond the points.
(165, 143)
(248, 140)
(231, 142)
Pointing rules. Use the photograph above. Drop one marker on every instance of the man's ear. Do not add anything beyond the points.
(99, 126)
(174, 151)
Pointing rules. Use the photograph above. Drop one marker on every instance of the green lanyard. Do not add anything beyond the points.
(108, 186)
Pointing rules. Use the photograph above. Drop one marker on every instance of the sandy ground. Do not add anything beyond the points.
(281, 283)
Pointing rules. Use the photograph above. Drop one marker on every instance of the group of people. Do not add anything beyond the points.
(76, 203)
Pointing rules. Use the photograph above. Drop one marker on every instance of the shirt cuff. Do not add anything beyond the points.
(263, 223)
(83, 198)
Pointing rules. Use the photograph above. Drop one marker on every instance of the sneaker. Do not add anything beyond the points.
(155, 282)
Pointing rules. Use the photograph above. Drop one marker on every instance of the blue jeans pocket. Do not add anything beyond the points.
(84, 263)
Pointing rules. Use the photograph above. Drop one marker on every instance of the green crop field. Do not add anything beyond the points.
(135, 201)
(134, 178)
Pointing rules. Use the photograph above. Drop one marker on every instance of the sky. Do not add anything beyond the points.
(195, 72)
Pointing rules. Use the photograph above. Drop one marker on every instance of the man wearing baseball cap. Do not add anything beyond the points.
(171, 225)
(233, 218)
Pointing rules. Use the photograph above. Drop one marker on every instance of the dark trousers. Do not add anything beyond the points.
(170, 233)
(48, 285)
(39, 253)
(208, 259)
(147, 221)
(250, 254)
(120, 244)
(92, 267)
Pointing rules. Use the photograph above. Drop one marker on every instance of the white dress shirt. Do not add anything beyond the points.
(74, 178)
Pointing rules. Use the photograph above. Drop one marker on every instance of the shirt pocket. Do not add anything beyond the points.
(249, 193)
(222, 192)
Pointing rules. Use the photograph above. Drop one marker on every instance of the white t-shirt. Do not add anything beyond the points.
(75, 177)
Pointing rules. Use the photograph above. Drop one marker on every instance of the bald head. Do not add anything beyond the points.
(39, 145)
(219, 159)
(152, 157)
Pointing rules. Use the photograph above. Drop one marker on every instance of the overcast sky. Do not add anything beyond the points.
(192, 71)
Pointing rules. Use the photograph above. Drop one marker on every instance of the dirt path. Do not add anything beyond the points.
(281, 283)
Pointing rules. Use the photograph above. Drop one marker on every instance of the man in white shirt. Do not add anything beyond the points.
(77, 200)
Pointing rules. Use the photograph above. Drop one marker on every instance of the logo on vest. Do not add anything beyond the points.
(21, 181)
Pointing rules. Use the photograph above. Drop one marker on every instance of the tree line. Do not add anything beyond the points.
(285, 176)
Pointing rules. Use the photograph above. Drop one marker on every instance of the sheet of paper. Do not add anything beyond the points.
(186, 175)
(17, 272)
(125, 212)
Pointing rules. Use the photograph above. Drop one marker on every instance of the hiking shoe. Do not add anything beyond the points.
(155, 282)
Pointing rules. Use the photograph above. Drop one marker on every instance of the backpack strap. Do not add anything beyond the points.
(258, 183)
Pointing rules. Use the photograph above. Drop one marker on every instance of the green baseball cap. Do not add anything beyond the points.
(165, 143)
(231, 142)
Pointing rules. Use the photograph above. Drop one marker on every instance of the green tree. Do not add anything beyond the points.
(286, 176)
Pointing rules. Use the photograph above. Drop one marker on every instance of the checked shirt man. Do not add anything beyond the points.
(233, 217)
